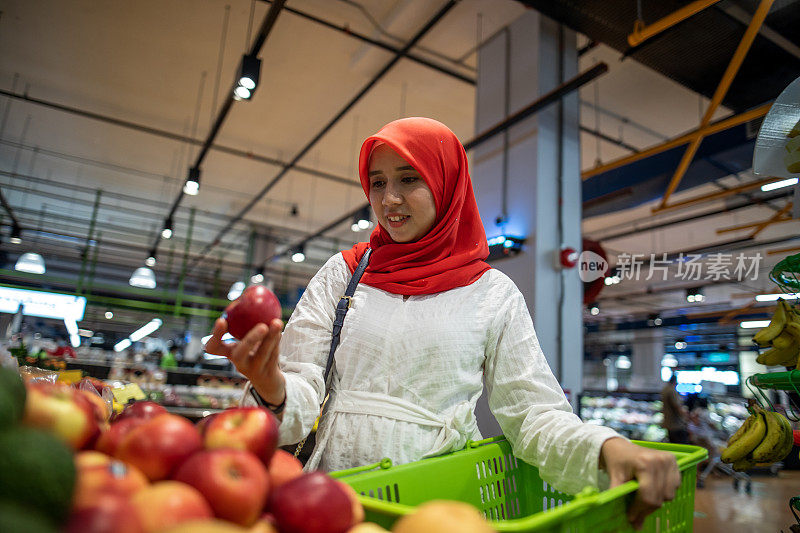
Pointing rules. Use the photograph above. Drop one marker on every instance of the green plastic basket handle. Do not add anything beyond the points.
(383, 464)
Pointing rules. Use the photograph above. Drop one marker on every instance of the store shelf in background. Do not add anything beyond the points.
(788, 381)
(193, 413)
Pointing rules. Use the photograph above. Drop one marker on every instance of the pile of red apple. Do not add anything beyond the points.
(151, 471)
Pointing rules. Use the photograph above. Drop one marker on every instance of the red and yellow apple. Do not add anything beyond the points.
(61, 410)
(159, 445)
(102, 411)
(234, 482)
(256, 305)
(282, 468)
(109, 440)
(169, 503)
(141, 409)
(106, 513)
(254, 429)
(313, 503)
(99, 474)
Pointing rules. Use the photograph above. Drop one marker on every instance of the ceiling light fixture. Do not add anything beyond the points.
(143, 277)
(16, 234)
(594, 310)
(249, 74)
(695, 295)
(192, 185)
(109, 315)
(146, 330)
(121, 345)
(236, 290)
(779, 184)
(166, 233)
(151, 258)
(361, 220)
(775, 297)
(753, 324)
(298, 254)
(30, 262)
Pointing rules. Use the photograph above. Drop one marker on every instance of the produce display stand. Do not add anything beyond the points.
(510, 493)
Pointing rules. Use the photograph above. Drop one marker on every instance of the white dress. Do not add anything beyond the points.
(409, 373)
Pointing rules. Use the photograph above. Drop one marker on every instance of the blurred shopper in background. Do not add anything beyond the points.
(675, 414)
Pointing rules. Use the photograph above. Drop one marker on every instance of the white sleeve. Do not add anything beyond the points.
(304, 348)
(531, 408)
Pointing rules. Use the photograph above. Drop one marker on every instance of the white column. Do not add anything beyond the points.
(647, 350)
(531, 174)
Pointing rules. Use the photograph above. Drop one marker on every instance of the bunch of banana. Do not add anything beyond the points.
(782, 335)
(765, 437)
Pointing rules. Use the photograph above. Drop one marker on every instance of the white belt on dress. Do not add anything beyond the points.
(455, 427)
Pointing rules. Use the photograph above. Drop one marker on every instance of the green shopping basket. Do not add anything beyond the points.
(510, 493)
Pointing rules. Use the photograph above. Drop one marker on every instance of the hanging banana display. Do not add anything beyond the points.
(782, 336)
(764, 437)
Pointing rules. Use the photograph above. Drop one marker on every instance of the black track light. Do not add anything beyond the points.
(166, 233)
(151, 258)
(192, 185)
(247, 82)
(16, 234)
(299, 254)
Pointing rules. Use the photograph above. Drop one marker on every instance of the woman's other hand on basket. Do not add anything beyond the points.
(656, 471)
(255, 356)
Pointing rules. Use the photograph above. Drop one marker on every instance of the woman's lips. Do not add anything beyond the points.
(397, 223)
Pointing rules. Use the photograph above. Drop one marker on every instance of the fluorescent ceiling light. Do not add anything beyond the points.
(146, 330)
(774, 297)
(143, 277)
(30, 262)
(121, 345)
(752, 324)
(86, 333)
(779, 184)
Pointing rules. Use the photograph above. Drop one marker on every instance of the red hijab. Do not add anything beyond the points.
(452, 253)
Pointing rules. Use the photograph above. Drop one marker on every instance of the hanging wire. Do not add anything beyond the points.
(597, 161)
(761, 399)
(250, 24)
(197, 105)
(639, 11)
(220, 57)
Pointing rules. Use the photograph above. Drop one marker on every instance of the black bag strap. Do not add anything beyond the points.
(341, 310)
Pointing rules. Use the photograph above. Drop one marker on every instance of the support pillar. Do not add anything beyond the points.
(527, 183)
(647, 351)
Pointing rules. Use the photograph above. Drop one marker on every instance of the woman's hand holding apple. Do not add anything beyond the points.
(255, 356)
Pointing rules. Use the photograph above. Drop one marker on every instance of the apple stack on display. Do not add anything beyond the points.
(63, 467)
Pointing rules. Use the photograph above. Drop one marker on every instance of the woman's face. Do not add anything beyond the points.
(402, 202)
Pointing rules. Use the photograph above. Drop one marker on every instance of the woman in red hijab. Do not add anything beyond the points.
(429, 323)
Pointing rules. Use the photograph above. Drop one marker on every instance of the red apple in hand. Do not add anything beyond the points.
(141, 409)
(256, 305)
(313, 503)
(99, 474)
(158, 445)
(254, 429)
(63, 411)
(234, 482)
(169, 503)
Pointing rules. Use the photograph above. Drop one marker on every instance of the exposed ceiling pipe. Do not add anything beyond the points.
(537, 105)
(266, 26)
(741, 205)
(257, 198)
(8, 209)
(379, 44)
(175, 137)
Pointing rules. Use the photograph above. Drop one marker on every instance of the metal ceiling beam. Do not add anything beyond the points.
(537, 105)
(706, 131)
(741, 205)
(719, 94)
(716, 195)
(176, 137)
(400, 54)
(261, 37)
(740, 15)
(641, 32)
(389, 48)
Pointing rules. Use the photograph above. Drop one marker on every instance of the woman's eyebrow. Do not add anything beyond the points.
(398, 169)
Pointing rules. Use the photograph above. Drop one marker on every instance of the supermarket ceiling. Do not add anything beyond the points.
(109, 95)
